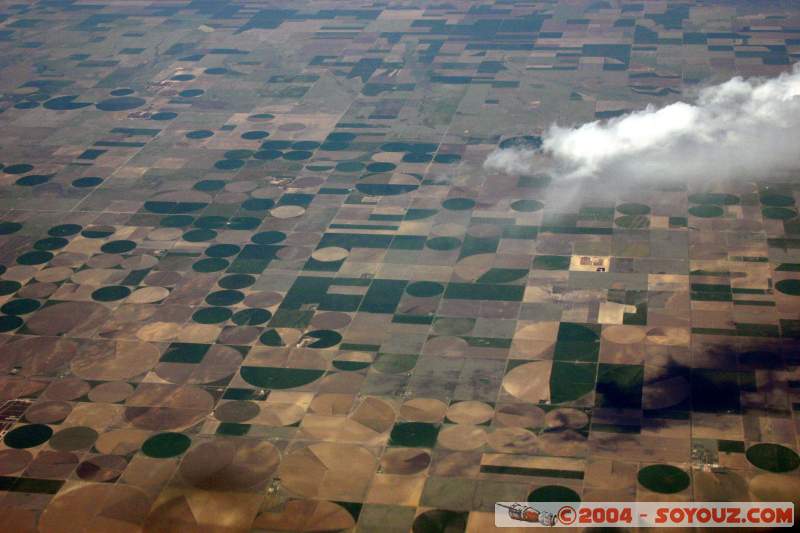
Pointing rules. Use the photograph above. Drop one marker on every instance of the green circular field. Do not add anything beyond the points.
(553, 493)
(664, 479)
(773, 457)
(165, 445)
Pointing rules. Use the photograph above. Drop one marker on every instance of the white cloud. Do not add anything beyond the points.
(743, 128)
(511, 160)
